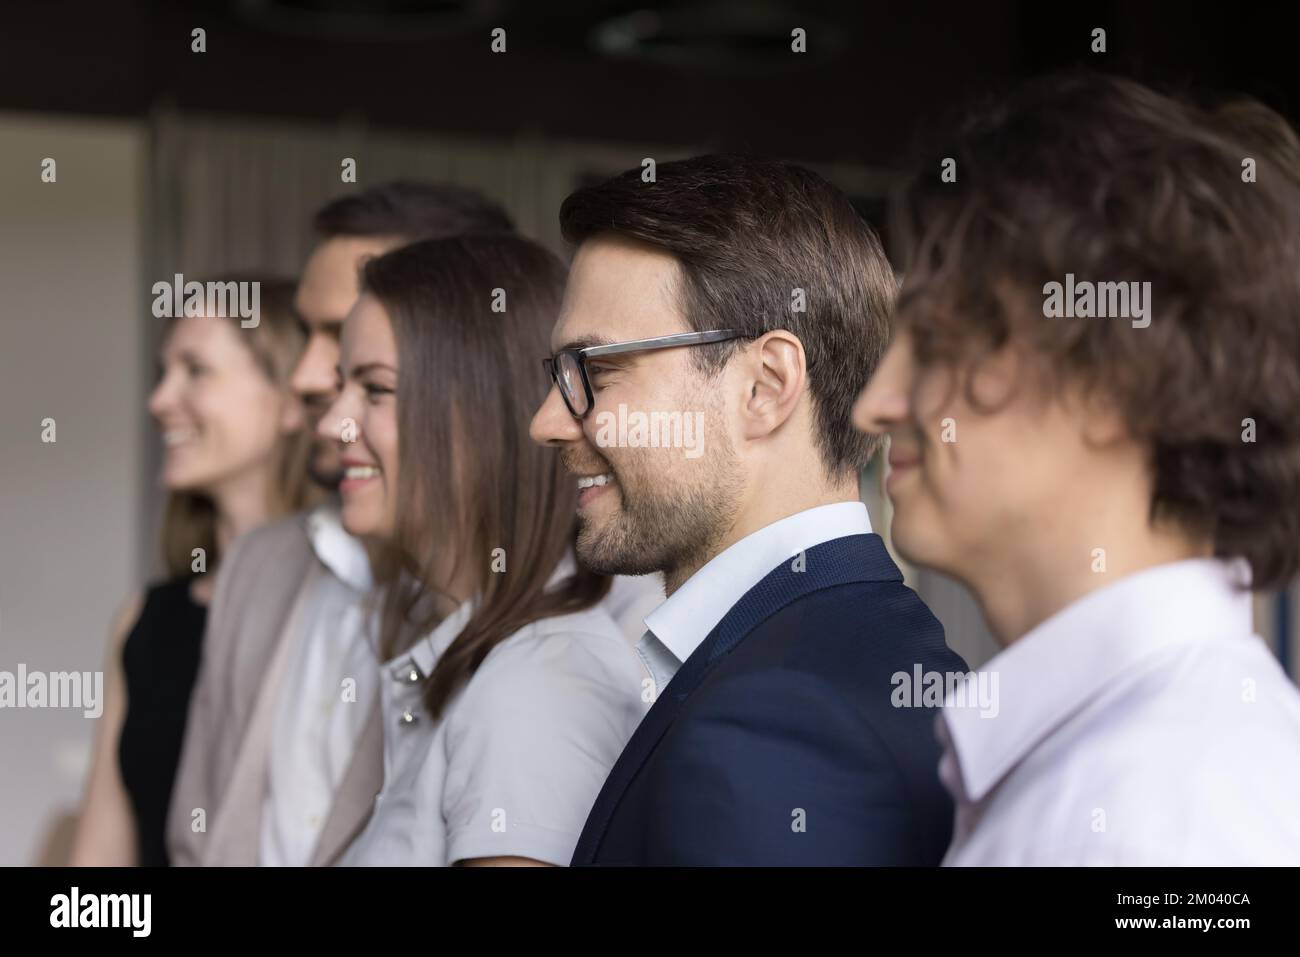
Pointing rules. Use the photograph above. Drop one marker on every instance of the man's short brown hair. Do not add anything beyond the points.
(1107, 180)
(748, 233)
(412, 210)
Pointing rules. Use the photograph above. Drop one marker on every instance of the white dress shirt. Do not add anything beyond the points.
(514, 764)
(319, 717)
(1144, 724)
(680, 624)
(630, 599)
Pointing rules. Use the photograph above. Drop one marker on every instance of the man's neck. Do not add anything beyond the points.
(760, 508)
(1020, 588)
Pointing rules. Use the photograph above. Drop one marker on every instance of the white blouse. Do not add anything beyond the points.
(515, 763)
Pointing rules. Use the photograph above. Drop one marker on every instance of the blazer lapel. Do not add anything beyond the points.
(854, 558)
(236, 833)
(355, 798)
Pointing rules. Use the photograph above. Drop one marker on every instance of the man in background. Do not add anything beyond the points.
(283, 755)
(1092, 402)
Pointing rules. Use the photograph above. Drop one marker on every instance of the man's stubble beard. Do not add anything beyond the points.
(323, 458)
(673, 530)
(327, 473)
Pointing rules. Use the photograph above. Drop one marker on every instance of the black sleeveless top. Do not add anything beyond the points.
(160, 660)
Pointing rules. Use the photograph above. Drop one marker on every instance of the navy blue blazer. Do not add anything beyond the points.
(776, 743)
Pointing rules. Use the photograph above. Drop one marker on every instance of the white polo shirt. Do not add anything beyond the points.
(1144, 724)
(515, 762)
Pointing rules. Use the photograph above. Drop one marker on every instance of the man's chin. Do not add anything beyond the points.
(914, 546)
(600, 555)
(590, 549)
(604, 563)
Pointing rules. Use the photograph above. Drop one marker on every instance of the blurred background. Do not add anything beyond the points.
(172, 161)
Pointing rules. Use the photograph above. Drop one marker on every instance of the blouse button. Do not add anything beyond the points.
(406, 673)
(408, 716)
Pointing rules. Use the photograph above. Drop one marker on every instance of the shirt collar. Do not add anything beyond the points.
(338, 551)
(683, 621)
(424, 654)
(1065, 662)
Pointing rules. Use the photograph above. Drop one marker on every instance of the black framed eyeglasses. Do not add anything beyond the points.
(568, 367)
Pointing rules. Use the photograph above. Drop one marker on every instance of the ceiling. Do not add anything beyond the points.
(706, 74)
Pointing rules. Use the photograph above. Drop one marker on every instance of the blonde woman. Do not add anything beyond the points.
(234, 458)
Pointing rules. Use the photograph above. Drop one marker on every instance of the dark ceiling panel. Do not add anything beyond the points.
(688, 79)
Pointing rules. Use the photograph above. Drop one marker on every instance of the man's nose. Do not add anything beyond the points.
(315, 373)
(553, 423)
(884, 401)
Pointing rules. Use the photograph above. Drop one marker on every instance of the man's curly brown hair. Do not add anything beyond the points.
(1113, 182)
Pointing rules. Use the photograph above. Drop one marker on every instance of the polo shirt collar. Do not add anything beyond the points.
(424, 654)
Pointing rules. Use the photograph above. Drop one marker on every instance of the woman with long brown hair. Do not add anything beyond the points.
(235, 457)
(508, 690)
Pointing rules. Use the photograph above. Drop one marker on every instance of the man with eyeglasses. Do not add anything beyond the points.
(748, 292)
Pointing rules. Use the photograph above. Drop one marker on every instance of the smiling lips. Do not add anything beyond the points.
(356, 474)
(178, 436)
(589, 486)
(900, 464)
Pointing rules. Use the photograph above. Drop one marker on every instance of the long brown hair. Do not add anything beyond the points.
(190, 518)
(471, 479)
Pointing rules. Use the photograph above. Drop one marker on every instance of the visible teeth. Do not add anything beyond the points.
(360, 472)
(587, 481)
(177, 436)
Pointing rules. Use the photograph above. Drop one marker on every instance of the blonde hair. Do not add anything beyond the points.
(190, 518)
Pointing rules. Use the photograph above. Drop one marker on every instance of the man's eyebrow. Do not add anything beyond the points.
(582, 342)
(329, 324)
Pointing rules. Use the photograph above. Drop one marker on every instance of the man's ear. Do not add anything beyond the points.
(775, 374)
(1103, 425)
